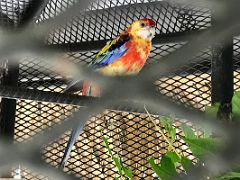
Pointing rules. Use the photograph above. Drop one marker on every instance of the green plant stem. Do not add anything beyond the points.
(161, 132)
(111, 155)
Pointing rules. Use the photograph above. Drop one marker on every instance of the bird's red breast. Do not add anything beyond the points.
(132, 62)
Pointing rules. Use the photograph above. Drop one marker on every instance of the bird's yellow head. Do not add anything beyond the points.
(143, 28)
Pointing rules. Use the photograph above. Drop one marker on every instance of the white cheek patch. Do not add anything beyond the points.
(147, 33)
(143, 33)
(152, 32)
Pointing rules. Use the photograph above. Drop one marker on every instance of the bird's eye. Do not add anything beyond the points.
(142, 24)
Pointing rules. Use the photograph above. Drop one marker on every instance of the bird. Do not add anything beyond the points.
(124, 55)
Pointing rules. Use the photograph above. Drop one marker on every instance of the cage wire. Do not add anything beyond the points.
(132, 135)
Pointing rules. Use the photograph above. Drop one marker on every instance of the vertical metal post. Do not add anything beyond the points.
(8, 111)
(8, 106)
(222, 68)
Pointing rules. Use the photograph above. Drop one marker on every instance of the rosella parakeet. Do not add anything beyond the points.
(125, 55)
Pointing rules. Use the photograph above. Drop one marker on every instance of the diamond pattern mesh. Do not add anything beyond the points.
(132, 135)
(11, 11)
(106, 23)
(53, 8)
(236, 64)
(190, 85)
(89, 158)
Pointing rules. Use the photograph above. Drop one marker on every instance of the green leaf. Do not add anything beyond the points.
(172, 133)
(155, 167)
(186, 163)
(106, 144)
(128, 172)
(166, 120)
(118, 164)
(202, 146)
(212, 110)
(116, 178)
(207, 131)
(173, 156)
(117, 161)
(188, 132)
(230, 175)
(166, 169)
(236, 104)
(167, 123)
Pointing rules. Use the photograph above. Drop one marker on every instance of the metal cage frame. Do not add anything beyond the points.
(184, 74)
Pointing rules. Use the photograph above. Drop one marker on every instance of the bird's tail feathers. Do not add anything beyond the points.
(73, 138)
(86, 88)
(91, 89)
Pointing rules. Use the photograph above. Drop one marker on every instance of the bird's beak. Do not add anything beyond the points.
(153, 32)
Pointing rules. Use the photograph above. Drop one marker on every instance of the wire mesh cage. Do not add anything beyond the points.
(132, 134)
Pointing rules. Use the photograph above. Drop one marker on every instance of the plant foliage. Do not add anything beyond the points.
(171, 160)
(123, 171)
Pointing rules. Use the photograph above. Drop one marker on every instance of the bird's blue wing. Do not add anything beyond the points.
(110, 57)
(112, 51)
